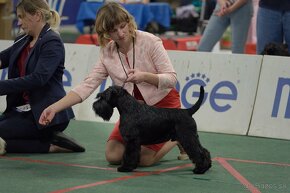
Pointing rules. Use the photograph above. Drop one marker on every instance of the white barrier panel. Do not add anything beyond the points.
(3, 73)
(271, 117)
(230, 82)
(77, 63)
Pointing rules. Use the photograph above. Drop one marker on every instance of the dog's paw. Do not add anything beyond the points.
(202, 169)
(124, 169)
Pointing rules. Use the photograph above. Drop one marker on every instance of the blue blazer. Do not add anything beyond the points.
(44, 73)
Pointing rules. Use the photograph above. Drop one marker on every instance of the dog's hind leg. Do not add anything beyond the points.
(197, 154)
(205, 164)
(189, 140)
(131, 155)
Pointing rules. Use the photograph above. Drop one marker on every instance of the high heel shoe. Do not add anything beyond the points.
(62, 140)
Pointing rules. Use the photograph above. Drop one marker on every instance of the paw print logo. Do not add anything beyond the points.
(191, 88)
(199, 76)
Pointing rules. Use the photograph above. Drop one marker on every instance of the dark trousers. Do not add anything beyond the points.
(21, 134)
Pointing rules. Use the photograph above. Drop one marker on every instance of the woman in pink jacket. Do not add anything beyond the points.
(132, 58)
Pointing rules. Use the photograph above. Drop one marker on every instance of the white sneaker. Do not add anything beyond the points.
(2, 146)
(183, 156)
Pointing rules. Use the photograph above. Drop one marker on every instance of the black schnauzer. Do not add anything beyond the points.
(141, 124)
(276, 49)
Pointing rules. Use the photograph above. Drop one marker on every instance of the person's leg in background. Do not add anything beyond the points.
(269, 28)
(240, 27)
(213, 32)
(286, 28)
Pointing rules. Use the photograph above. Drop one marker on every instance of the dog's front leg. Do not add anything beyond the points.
(131, 157)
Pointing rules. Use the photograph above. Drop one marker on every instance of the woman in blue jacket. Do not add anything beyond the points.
(35, 65)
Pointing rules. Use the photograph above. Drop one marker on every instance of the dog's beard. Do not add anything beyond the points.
(103, 109)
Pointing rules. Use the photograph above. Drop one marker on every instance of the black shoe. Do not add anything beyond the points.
(62, 140)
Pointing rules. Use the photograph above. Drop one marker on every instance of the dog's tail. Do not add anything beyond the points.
(196, 106)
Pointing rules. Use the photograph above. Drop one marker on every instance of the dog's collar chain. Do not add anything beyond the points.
(122, 61)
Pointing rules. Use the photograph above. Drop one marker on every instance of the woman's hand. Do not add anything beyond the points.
(135, 76)
(224, 11)
(229, 6)
(46, 116)
(225, 7)
(67, 101)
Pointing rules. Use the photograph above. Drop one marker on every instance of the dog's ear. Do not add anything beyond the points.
(113, 93)
(107, 94)
(116, 90)
(119, 91)
(98, 95)
(276, 49)
(269, 49)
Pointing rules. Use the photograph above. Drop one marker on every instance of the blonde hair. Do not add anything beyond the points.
(32, 6)
(110, 15)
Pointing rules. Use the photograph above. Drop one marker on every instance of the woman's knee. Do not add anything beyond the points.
(147, 157)
(113, 159)
(147, 161)
(114, 152)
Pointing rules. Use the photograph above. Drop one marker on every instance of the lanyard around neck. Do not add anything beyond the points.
(122, 61)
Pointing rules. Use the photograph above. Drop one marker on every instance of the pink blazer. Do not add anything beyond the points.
(150, 56)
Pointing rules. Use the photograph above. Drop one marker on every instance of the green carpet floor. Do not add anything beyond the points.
(240, 164)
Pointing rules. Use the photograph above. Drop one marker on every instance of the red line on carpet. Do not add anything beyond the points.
(53, 163)
(258, 162)
(135, 175)
(238, 176)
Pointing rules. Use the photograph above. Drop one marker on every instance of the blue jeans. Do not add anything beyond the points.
(239, 21)
(272, 27)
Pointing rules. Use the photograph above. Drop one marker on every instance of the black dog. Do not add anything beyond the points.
(141, 124)
(276, 49)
